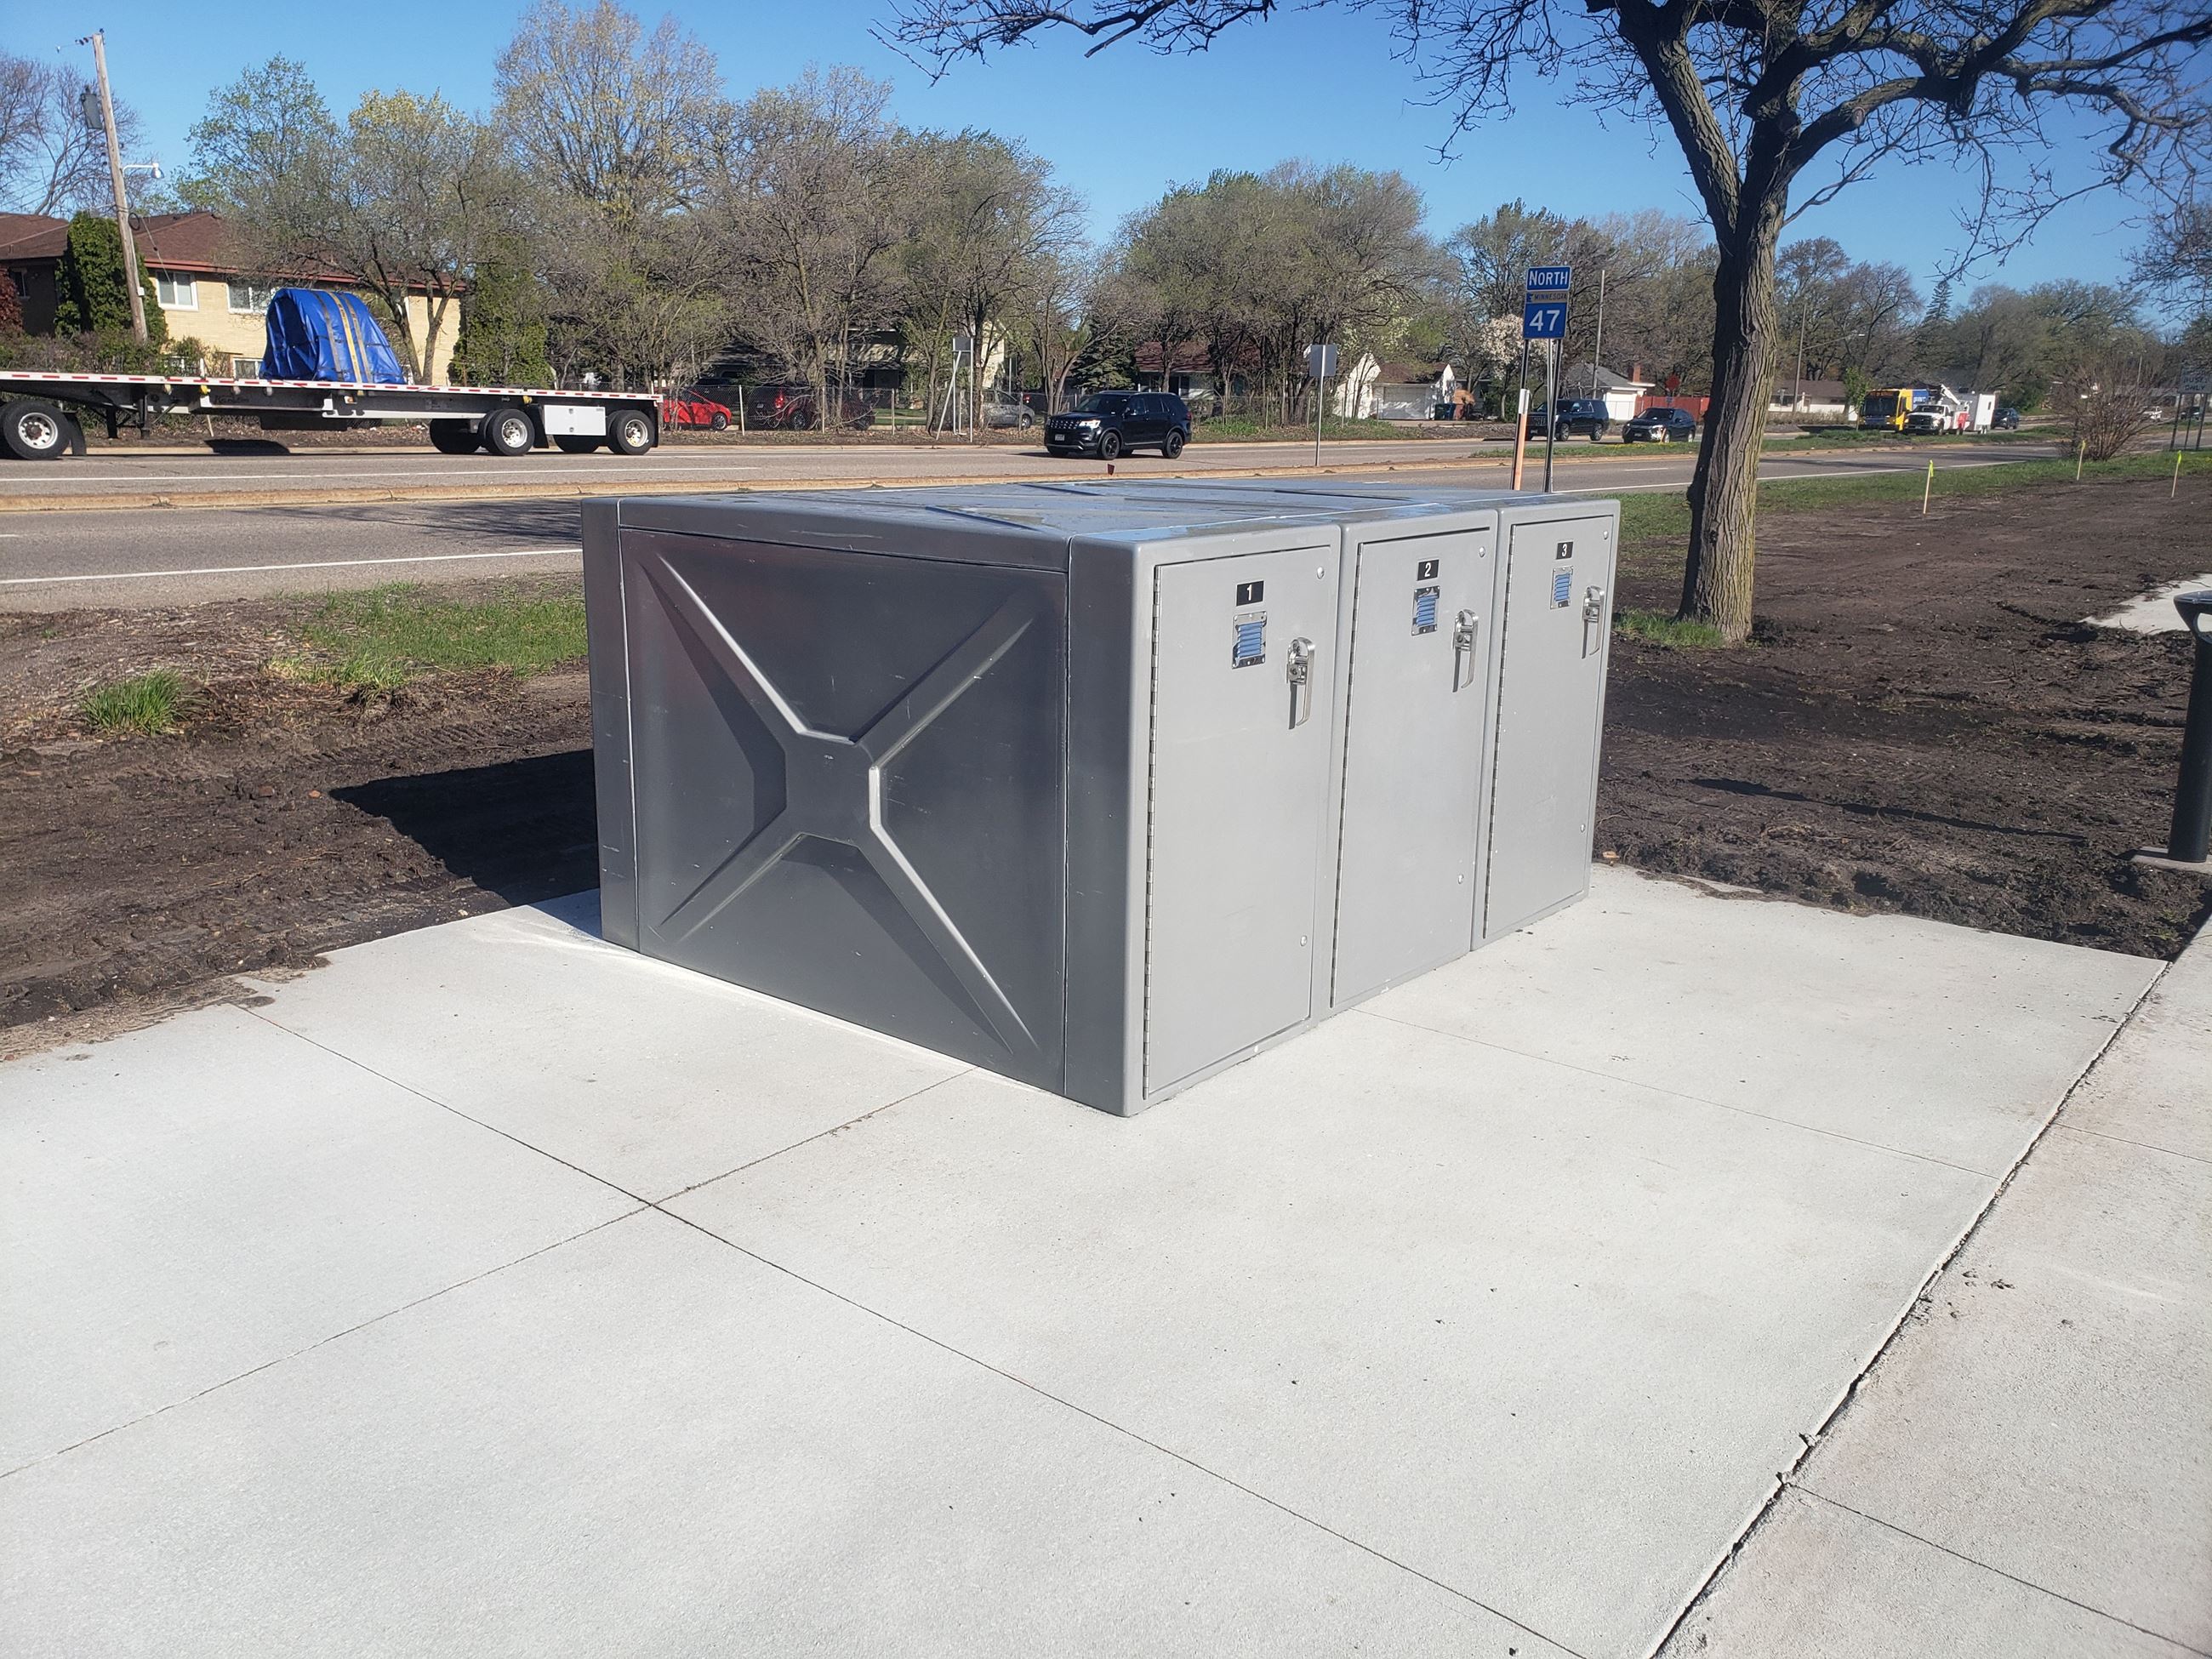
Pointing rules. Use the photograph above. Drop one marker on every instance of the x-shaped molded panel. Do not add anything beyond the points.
(834, 786)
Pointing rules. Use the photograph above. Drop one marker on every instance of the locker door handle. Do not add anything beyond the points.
(1463, 649)
(1297, 668)
(1593, 619)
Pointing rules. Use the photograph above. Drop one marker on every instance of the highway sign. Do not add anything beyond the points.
(1543, 321)
(1550, 279)
(1320, 361)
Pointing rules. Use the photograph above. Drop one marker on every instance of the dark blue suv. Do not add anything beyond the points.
(1110, 423)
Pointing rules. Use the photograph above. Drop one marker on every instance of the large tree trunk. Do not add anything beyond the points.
(1716, 581)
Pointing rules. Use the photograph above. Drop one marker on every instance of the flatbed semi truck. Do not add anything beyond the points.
(40, 418)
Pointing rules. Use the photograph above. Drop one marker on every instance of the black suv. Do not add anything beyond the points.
(1110, 423)
(1661, 425)
(1587, 415)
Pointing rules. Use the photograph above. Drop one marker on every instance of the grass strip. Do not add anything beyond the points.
(1666, 630)
(380, 639)
(152, 703)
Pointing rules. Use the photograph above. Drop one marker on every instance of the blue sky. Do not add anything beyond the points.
(1119, 127)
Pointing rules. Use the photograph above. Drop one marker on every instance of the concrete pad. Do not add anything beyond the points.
(643, 1441)
(184, 1203)
(1816, 1582)
(2052, 1417)
(1912, 1034)
(1543, 1336)
(2153, 612)
(2153, 1085)
(648, 1076)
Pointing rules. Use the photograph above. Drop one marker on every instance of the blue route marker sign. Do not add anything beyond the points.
(1544, 320)
(1551, 281)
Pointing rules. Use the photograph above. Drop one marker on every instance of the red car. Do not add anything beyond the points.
(694, 408)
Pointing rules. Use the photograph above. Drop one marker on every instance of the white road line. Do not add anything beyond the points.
(320, 564)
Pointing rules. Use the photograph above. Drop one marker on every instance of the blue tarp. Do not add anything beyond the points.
(315, 335)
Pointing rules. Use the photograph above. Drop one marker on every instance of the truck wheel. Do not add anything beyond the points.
(454, 437)
(33, 431)
(630, 433)
(569, 445)
(508, 432)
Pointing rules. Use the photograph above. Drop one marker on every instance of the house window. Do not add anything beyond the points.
(249, 300)
(176, 293)
(246, 368)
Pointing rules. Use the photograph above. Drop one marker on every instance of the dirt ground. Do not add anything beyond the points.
(1924, 727)
(1925, 724)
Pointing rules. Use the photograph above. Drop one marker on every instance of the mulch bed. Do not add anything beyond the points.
(1924, 726)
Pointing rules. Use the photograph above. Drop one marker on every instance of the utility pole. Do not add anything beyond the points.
(97, 40)
(1598, 340)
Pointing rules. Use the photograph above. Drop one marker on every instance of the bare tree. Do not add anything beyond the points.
(987, 224)
(2175, 264)
(618, 131)
(52, 160)
(1757, 93)
(811, 208)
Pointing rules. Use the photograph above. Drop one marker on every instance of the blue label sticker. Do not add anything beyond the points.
(1563, 582)
(1249, 644)
(1425, 609)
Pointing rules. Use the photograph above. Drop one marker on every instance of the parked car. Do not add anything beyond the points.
(780, 408)
(692, 408)
(2005, 420)
(1110, 423)
(1660, 426)
(1009, 414)
(1587, 415)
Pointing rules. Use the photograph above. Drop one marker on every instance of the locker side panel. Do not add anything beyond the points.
(1555, 632)
(607, 637)
(1239, 786)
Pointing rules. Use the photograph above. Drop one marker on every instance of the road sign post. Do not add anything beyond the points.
(1544, 317)
(1321, 363)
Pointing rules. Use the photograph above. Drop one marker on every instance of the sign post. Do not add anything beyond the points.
(1544, 317)
(1321, 363)
(1520, 434)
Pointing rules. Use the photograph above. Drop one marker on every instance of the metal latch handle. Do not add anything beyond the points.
(1463, 649)
(1297, 668)
(1593, 620)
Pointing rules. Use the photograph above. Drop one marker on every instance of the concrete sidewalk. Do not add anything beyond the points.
(494, 1290)
(2028, 1468)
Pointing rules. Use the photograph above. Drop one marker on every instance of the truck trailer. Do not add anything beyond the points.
(345, 376)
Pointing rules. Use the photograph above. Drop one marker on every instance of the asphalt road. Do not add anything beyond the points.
(72, 559)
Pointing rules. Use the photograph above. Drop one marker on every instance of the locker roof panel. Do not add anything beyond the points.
(1026, 525)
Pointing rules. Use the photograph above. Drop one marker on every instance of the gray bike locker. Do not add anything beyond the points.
(1041, 782)
(1556, 625)
(1545, 699)
(1412, 721)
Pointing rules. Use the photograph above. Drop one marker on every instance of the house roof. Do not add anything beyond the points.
(1410, 374)
(23, 227)
(199, 244)
(1579, 375)
(1190, 359)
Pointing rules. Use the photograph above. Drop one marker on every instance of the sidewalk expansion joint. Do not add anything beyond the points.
(1785, 1480)
(1974, 1561)
(1682, 1094)
(324, 1341)
(1107, 1423)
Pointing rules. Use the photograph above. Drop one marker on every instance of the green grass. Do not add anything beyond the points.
(152, 703)
(1241, 428)
(380, 640)
(1664, 629)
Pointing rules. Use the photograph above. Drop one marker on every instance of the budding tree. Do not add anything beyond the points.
(1777, 106)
